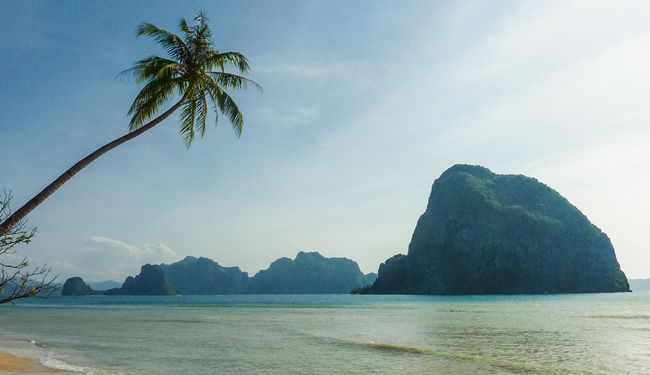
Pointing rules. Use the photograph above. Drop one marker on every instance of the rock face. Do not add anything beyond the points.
(205, 276)
(484, 233)
(151, 281)
(309, 273)
(75, 286)
(392, 272)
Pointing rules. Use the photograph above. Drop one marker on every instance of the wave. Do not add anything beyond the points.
(35, 343)
(504, 364)
(37, 351)
(625, 317)
(50, 361)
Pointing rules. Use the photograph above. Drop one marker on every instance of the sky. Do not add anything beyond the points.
(364, 105)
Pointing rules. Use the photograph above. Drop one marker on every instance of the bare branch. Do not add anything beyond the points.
(17, 279)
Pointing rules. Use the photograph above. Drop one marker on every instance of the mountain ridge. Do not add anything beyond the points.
(309, 272)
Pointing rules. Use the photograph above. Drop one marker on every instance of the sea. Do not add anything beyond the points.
(334, 334)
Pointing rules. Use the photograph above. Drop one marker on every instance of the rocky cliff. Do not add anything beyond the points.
(484, 233)
(205, 276)
(150, 281)
(309, 273)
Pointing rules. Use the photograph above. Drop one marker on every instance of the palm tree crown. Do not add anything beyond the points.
(195, 70)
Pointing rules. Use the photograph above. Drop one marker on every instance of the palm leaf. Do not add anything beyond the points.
(188, 115)
(226, 105)
(152, 96)
(221, 60)
(173, 44)
(233, 81)
(201, 113)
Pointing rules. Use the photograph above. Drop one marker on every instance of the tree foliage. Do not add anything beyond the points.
(194, 69)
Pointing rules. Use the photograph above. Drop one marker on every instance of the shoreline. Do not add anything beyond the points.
(13, 364)
(22, 358)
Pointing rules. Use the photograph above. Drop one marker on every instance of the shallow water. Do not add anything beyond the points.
(339, 334)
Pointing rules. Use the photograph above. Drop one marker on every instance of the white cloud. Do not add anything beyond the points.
(102, 258)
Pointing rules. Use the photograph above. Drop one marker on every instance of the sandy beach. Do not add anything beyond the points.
(11, 364)
(22, 357)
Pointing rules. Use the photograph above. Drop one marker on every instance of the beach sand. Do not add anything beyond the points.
(11, 364)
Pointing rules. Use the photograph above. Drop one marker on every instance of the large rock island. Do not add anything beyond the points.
(484, 233)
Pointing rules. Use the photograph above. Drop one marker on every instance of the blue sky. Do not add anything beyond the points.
(364, 105)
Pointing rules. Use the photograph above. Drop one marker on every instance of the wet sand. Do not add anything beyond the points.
(11, 364)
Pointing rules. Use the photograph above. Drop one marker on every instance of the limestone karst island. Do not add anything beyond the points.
(484, 233)
(481, 233)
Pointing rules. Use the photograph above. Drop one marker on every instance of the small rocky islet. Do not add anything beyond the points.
(481, 233)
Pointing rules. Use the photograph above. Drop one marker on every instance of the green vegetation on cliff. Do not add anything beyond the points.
(205, 276)
(484, 233)
(75, 286)
(150, 281)
(309, 273)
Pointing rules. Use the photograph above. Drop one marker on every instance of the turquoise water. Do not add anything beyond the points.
(335, 334)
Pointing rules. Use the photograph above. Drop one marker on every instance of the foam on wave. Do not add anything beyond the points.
(55, 363)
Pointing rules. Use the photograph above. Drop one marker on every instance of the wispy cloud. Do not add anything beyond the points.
(102, 258)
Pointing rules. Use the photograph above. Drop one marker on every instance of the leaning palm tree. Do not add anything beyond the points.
(194, 70)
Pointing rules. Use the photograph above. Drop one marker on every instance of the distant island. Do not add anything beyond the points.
(484, 233)
(308, 273)
(150, 281)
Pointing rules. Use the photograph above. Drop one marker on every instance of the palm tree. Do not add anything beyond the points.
(195, 71)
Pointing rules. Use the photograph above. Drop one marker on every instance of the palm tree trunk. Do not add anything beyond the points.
(19, 214)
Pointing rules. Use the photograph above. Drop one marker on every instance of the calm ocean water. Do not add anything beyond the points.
(335, 334)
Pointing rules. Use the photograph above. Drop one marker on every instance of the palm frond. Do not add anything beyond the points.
(173, 44)
(234, 81)
(188, 116)
(201, 113)
(184, 27)
(226, 105)
(154, 67)
(148, 102)
(230, 108)
(223, 59)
